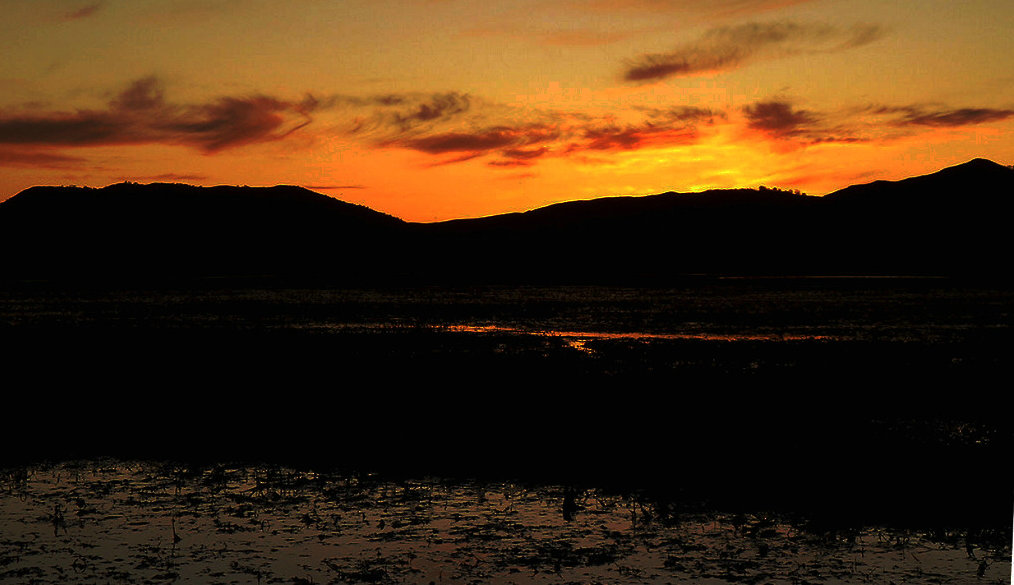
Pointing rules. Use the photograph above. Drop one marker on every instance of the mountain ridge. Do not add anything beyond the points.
(949, 222)
(983, 173)
(184, 191)
(973, 165)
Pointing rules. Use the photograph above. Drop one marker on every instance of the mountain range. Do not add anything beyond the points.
(952, 222)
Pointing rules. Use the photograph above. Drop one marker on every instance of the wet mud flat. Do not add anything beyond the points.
(117, 521)
(859, 404)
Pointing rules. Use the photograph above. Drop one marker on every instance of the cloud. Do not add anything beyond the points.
(685, 115)
(230, 122)
(478, 141)
(81, 128)
(562, 136)
(387, 114)
(661, 127)
(792, 127)
(456, 159)
(139, 114)
(141, 95)
(36, 159)
(437, 107)
(633, 137)
(729, 47)
(522, 154)
(942, 117)
(557, 23)
(463, 141)
(778, 118)
(83, 12)
(511, 164)
(518, 157)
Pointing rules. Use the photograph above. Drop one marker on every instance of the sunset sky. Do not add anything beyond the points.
(440, 109)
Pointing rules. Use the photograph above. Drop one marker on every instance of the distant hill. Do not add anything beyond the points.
(165, 230)
(956, 221)
(978, 180)
(621, 239)
(952, 222)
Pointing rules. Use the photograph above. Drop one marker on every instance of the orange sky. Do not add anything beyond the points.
(438, 109)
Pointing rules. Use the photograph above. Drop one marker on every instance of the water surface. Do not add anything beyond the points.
(110, 521)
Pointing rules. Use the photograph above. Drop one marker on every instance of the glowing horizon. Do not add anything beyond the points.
(431, 109)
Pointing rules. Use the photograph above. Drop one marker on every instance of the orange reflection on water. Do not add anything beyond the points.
(579, 339)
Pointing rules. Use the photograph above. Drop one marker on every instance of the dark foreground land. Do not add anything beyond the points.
(856, 399)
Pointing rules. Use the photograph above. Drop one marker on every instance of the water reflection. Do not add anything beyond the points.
(740, 310)
(127, 522)
(579, 339)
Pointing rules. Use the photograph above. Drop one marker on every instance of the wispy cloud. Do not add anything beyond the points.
(682, 115)
(437, 107)
(510, 163)
(780, 121)
(456, 159)
(629, 138)
(84, 11)
(478, 141)
(140, 114)
(779, 118)
(397, 113)
(563, 136)
(914, 115)
(659, 127)
(31, 158)
(230, 122)
(634, 136)
(448, 127)
(729, 47)
(523, 154)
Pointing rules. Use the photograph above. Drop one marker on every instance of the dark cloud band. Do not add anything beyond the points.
(725, 48)
(943, 117)
(140, 114)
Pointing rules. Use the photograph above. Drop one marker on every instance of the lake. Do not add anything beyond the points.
(865, 402)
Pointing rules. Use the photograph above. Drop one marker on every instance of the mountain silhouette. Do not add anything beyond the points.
(978, 179)
(952, 222)
(618, 239)
(163, 230)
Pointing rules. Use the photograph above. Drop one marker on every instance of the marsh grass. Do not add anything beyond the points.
(261, 523)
